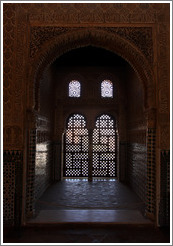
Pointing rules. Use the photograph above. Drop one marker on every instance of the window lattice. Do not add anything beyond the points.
(106, 88)
(76, 147)
(74, 88)
(104, 147)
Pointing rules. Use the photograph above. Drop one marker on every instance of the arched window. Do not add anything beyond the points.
(104, 144)
(106, 88)
(76, 147)
(74, 88)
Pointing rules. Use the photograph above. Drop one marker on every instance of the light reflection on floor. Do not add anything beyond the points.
(77, 200)
(78, 193)
(85, 179)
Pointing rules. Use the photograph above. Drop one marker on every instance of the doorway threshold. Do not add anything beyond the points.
(93, 216)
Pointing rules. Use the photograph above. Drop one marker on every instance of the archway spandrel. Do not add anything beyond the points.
(141, 37)
(56, 47)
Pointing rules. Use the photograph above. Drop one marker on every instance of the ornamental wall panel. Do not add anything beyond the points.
(32, 32)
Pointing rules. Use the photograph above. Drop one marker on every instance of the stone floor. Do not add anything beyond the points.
(81, 194)
(104, 200)
(90, 216)
(90, 201)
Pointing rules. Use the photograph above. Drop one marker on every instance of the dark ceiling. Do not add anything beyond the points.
(89, 56)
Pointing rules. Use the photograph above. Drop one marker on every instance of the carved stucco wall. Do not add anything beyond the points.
(19, 33)
(100, 37)
(25, 50)
(13, 101)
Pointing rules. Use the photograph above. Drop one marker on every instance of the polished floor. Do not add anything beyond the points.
(79, 201)
(80, 194)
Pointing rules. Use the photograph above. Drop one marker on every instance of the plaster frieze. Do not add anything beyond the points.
(139, 36)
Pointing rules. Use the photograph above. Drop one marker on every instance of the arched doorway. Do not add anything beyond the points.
(122, 172)
(102, 38)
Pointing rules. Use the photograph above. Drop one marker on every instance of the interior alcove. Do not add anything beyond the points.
(91, 65)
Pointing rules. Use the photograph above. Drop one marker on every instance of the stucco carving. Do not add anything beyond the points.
(139, 36)
(150, 116)
(8, 59)
(14, 69)
(13, 100)
(21, 75)
(86, 13)
(99, 38)
(12, 136)
(45, 14)
(164, 100)
(165, 138)
(163, 68)
(163, 84)
(40, 34)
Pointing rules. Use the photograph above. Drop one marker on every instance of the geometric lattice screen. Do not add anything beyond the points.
(76, 147)
(104, 140)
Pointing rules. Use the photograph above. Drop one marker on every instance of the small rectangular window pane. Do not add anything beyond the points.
(74, 88)
(106, 88)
